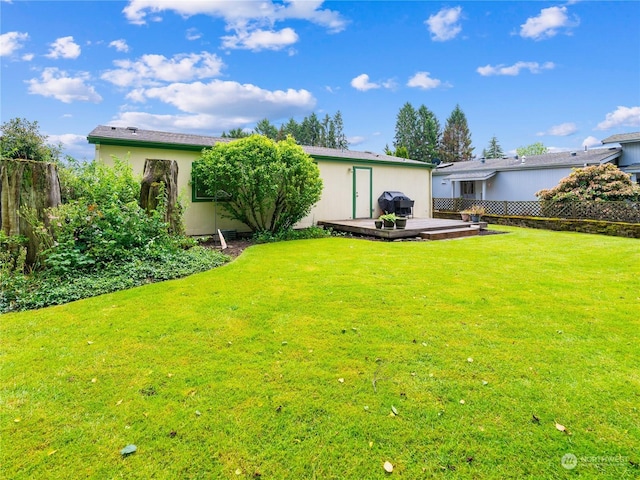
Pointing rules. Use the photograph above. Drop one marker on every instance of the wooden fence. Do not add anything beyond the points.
(605, 211)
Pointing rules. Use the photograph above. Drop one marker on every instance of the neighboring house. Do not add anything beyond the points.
(513, 178)
(353, 180)
(629, 161)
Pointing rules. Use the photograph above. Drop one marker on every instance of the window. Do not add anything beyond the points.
(468, 189)
(198, 192)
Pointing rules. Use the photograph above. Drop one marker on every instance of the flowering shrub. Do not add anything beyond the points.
(599, 183)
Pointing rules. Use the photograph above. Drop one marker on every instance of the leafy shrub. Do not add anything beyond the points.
(269, 186)
(599, 182)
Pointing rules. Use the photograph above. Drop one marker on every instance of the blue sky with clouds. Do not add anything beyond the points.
(563, 73)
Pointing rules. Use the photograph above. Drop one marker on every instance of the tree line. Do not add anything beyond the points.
(328, 132)
(418, 136)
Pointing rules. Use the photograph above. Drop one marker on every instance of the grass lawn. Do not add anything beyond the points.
(289, 363)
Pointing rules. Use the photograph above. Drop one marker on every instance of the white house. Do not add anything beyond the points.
(353, 180)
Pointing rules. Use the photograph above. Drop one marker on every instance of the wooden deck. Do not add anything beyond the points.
(415, 227)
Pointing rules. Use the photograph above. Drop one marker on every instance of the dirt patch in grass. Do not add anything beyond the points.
(234, 247)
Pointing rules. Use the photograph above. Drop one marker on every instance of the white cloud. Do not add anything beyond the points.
(390, 84)
(513, 70)
(176, 123)
(152, 69)
(424, 81)
(64, 47)
(257, 40)
(547, 24)
(245, 19)
(193, 34)
(230, 100)
(621, 117)
(591, 141)
(73, 144)
(28, 57)
(120, 45)
(444, 24)
(562, 130)
(356, 140)
(11, 41)
(362, 83)
(57, 84)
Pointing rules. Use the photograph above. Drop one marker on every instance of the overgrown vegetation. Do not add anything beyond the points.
(99, 240)
(327, 358)
(269, 186)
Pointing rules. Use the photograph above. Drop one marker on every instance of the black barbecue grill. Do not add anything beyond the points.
(395, 202)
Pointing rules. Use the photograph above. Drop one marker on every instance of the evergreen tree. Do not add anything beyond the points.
(341, 138)
(235, 133)
(428, 135)
(312, 132)
(494, 150)
(264, 127)
(418, 131)
(456, 138)
(406, 129)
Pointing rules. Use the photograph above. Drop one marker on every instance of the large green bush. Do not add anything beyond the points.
(268, 186)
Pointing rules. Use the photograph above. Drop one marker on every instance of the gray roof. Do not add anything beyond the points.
(131, 136)
(548, 160)
(472, 176)
(623, 138)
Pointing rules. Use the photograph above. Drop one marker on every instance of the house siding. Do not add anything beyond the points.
(336, 203)
(630, 155)
(514, 185)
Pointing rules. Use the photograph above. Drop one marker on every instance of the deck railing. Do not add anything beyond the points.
(606, 211)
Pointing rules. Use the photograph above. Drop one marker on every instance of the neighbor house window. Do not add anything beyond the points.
(468, 189)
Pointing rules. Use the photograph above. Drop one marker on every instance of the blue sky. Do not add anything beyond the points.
(566, 74)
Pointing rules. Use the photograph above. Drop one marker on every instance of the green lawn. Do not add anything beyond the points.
(288, 363)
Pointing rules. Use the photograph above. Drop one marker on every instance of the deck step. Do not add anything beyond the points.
(451, 233)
